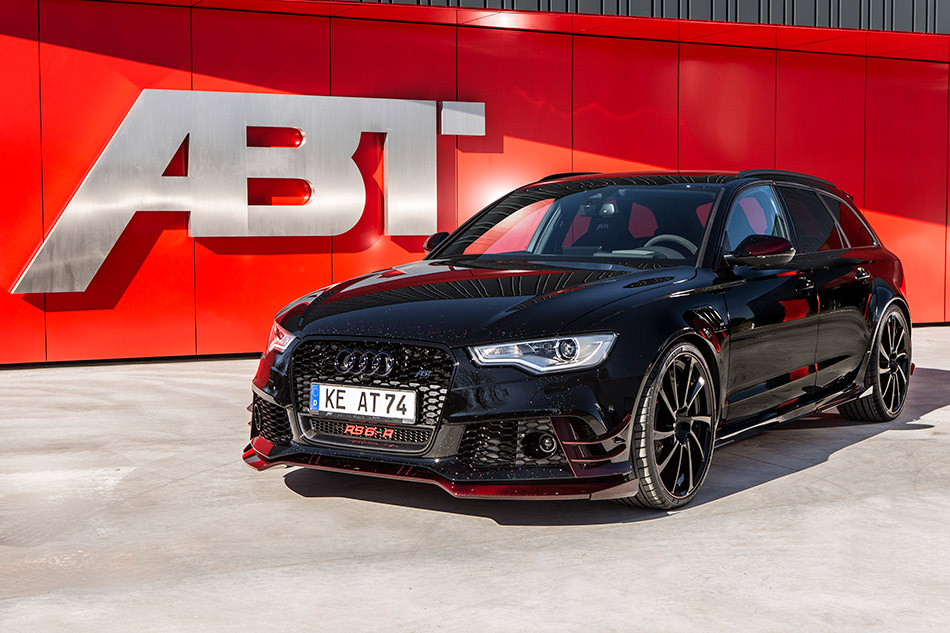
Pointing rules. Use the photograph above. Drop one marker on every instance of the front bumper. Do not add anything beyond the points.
(475, 447)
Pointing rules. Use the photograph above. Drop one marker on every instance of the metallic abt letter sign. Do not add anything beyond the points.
(127, 177)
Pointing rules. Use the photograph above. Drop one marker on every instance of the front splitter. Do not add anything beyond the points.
(257, 455)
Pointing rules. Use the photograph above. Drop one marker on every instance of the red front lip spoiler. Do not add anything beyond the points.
(257, 452)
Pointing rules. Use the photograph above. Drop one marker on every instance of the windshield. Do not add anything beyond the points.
(637, 224)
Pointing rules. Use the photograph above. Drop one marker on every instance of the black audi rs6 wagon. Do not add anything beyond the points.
(592, 336)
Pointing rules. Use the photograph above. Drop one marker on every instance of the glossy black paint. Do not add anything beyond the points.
(781, 341)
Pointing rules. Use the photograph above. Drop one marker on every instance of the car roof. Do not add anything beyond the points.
(593, 180)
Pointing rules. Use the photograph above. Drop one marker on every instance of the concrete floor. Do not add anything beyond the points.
(125, 506)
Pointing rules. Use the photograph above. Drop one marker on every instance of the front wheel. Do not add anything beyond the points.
(674, 432)
(888, 372)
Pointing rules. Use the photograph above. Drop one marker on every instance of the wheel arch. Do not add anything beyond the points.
(652, 491)
(884, 298)
(709, 349)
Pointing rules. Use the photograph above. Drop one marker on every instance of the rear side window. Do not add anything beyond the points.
(854, 229)
(815, 227)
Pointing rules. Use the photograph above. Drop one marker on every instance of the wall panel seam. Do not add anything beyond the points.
(39, 91)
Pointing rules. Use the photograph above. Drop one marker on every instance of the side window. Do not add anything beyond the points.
(755, 212)
(854, 229)
(815, 227)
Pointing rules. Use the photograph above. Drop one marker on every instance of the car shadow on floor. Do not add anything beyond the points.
(758, 460)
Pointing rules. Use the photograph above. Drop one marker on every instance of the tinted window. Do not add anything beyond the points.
(814, 225)
(850, 223)
(755, 212)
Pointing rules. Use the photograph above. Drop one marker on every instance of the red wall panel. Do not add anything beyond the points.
(90, 77)
(256, 52)
(640, 114)
(522, 78)
(380, 59)
(555, 101)
(20, 181)
(726, 107)
(906, 162)
(819, 117)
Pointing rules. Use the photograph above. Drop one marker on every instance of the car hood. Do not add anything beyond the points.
(471, 302)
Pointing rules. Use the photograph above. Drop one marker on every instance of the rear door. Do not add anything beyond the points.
(840, 271)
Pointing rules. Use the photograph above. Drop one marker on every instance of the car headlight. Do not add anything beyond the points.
(279, 339)
(548, 355)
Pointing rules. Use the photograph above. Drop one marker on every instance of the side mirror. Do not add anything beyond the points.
(761, 251)
(434, 240)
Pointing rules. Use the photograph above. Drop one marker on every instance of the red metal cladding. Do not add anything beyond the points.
(257, 52)
(274, 137)
(381, 59)
(641, 113)
(735, 34)
(23, 338)
(278, 191)
(141, 303)
(726, 107)
(819, 118)
(863, 109)
(241, 51)
(656, 29)
(906, 162)
(178, 166)
(524, 80)
(378, 59)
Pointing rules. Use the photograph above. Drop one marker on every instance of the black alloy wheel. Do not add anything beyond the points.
(674, 433)
(888, 372)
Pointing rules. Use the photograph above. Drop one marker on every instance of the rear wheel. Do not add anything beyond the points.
(888, 372)
(674, 432)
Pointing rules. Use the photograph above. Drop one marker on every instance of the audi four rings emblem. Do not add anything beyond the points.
(360, 363)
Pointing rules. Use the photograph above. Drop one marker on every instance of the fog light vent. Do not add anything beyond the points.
(539, 444)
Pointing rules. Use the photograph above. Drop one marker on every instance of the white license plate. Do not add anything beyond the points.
(360, 402)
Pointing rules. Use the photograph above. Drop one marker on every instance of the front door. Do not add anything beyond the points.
(773, 319)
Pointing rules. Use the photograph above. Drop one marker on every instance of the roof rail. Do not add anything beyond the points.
(778, 173)
(564, 175)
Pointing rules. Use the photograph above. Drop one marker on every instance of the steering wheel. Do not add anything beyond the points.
(675, 239)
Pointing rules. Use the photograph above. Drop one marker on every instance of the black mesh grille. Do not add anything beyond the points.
(499, 444)
(271, 421)
(423, 369)
(336, 430)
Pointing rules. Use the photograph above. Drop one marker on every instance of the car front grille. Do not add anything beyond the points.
(500, 444)
(271, 421)
(427, 370)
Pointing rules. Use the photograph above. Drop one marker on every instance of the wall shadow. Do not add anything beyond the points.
(802, 444)
(120, 266)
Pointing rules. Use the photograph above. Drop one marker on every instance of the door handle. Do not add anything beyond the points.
(860, 274)
(805, 284)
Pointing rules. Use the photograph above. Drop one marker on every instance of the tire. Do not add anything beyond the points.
(675, 419)
(888, 372)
